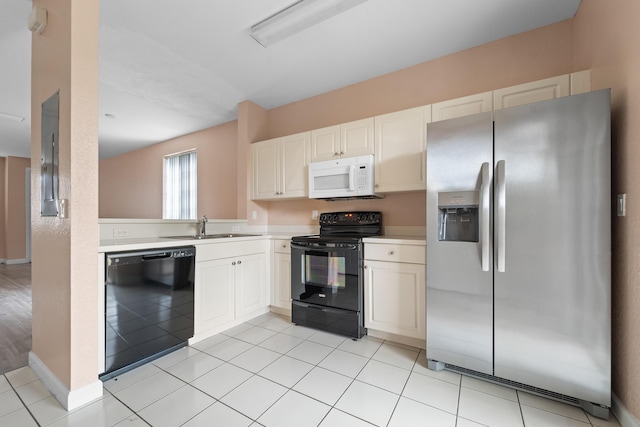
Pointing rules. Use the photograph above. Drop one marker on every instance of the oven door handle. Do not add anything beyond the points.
(320, 247)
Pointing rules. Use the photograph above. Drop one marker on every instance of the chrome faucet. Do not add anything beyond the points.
(203, 225)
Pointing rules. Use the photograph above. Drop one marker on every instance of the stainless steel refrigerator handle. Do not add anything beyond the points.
(501, 215)
(484, 215)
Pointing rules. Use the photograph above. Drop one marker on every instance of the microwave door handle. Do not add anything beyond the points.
(352, 178)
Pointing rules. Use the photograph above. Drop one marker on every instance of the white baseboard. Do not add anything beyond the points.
(400, 339)
(69, 399)
(622, 414)
(16, 261)
(281, 311)
(203, 335)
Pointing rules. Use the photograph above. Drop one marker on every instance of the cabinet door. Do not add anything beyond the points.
(214, 294)
(294, 155)
(250, 274)
(357, 138)
(282, 281)
(325, 143)
(527, 93)
(580, 82)
(465, 106)
(401, 140)
(265, 169)
(394, 298)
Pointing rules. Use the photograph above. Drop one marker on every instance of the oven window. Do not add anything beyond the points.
(325, 271)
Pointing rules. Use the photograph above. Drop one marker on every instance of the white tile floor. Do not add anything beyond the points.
(270, 373)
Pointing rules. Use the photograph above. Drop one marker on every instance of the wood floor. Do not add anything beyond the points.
(15, 316)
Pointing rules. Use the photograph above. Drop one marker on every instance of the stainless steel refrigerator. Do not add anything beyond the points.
(519, 249)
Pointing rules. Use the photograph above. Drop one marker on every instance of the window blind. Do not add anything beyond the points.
(180, 186)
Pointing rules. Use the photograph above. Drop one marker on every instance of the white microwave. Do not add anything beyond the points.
(351, 177)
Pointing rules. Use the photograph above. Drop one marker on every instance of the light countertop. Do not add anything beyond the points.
(132, 244)
(397, 240)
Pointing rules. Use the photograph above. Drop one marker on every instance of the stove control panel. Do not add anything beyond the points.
(351, 218)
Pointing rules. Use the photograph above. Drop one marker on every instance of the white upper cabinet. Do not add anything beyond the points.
(294, 159)
(401, 141)
(580, 82)
(265, 169)
(345, 140)
(465, 106)
(279, 167)
(540, 90)
(398, 140)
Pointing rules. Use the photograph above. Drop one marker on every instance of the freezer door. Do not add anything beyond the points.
(459, 255)
(552, 247)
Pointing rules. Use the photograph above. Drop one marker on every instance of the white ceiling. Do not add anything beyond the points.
(168, 68)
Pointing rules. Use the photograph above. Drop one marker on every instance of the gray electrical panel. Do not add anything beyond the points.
(49, 160)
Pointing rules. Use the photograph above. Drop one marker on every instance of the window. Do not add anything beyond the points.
(180, 186)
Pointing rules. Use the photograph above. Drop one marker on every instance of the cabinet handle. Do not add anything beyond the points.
(233, 263)
(239, 262)
(391, 252)
(341, 153)
(335, 154)
(365, 267)
(284, 246)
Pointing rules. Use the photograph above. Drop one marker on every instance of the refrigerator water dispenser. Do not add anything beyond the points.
(458, 216)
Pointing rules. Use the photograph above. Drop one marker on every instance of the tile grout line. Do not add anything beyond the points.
(403, 387)
(24, 405)
(352, 379)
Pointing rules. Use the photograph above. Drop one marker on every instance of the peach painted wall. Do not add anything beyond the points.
(606, 38)
(3, 204)
(534, 55)
(253, 123)
(64, 251)
(15, 208)
(131, 184)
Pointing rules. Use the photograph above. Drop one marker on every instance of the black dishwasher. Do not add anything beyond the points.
(148, 306)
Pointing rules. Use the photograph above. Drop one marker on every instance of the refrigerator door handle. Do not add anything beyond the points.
(501, 215)
(484, 215)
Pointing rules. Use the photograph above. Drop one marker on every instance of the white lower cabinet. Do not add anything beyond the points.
(251, 284)
(230, 283)
(394, 289)
(281, 296)
(215, 296)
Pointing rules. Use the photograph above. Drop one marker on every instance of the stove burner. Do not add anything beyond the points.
(355, 224)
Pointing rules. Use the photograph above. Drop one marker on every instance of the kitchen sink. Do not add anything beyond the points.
(212, 236)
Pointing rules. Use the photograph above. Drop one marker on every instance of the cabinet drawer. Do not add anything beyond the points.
(414, 254)
(282, 246)
(229, 249)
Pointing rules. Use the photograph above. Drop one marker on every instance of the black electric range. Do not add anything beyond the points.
(327, 273)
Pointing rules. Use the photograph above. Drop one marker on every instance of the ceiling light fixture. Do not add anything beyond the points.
(297, 17)
(12, 117)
